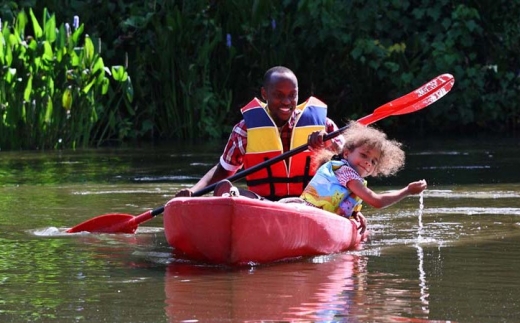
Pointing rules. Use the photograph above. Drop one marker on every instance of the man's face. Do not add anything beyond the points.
(282, 97)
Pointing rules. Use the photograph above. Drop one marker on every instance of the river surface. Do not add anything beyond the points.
(455, 259)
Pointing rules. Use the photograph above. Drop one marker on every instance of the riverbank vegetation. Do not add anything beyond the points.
(173, 70)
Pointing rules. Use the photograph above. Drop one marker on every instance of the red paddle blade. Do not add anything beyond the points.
(107, 223)
(413, 101)
(436, 89)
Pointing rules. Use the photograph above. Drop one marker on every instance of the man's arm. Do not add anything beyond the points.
(215, 174)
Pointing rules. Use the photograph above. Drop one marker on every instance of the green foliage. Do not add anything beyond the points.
(177, 48)
(195, 63)
(50, 84)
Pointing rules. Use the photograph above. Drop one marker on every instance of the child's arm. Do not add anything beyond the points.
(384, 199)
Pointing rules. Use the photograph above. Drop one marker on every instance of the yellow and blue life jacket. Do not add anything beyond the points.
(263, 142)
(326, 192)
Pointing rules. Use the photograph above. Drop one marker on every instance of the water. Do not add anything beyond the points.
(450, 255)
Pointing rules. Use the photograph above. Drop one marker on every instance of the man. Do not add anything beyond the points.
(268, 130)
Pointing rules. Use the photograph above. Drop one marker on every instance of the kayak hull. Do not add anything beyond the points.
(239, 230)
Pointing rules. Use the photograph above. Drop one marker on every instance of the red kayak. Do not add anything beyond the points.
(241, 230)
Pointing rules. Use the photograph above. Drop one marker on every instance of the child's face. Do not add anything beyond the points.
(363, 159)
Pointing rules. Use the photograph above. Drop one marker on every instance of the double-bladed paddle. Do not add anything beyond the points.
(411, 102)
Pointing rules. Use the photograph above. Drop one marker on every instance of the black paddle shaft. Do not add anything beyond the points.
(253, 169)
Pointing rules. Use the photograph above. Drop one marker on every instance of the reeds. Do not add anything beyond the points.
(51, 84)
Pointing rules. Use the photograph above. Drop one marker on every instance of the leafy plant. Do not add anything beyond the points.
(51, 83)
(195, 63)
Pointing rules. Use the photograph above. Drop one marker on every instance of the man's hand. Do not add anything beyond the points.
(186, 192)
(315, 140)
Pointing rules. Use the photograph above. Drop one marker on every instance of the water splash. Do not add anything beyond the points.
(423, 284)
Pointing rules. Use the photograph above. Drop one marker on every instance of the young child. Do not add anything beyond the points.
(339, 185)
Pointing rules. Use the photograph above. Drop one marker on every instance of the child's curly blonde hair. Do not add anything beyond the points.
(392, 156)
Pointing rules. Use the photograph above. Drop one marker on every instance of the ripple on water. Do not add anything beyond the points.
(474, 210)
(450, 194)
(56, 232)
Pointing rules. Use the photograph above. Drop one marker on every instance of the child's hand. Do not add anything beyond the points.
(360, 218)
(417, 187)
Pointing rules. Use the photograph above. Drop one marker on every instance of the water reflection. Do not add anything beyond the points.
(456, 259)
(323, 289)
(335, 288)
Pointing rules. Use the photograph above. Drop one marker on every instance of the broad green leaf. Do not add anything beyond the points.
(66, 99)
(21, 22)
(62, 37)
(8, 56)
(98, 65)
(9, 76)
(48, 111)
(12, 40)
(28, 90)
(89, 49)
(104, 85)
(50, 29)
(74, 59)
(119, 73)
(38, 32)
(2, 51)
(75, 35)
(50, 86)
(87, 88)
(33, 44)
(61, 44)
(59, 54)
(47, 52)
(37, 63)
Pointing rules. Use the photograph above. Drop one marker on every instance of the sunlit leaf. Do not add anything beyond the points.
(9, 76)
(74, 59)
(89, 49)
(119, 73)
(66, 99)
(50, 85)
(28, 90)
(47, 52)
(24, 113)
(33, 45)
(37, 29)
(48, 111)
(50, 29)
(98, 65)
(21, 22)
(8, 56)
(87, 88)
(59, 54)
(75, 35)
(105, 83)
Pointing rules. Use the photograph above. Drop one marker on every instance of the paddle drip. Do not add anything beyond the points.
(421, 208)
(420, 255)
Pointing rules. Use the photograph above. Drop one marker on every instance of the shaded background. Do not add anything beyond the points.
(193, 64)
